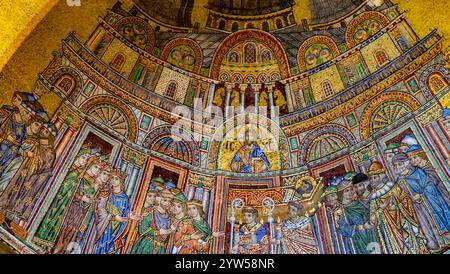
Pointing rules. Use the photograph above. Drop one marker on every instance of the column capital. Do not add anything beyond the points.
(256, 87)
(229, 86)
(243, 87)
(270, 87)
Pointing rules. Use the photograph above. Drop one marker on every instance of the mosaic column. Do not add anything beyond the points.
(428, 121)
(287, 90)
(132, 164)
(206, 198)
(191, 192)
(271, 103)
(212, 88)
(229, 88)
(242, 89)
(256, 101)
(71, 122)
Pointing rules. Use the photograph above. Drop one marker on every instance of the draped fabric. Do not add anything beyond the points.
(350, 225)
(53, 219)
(149, 241)
(109, 241)
(298, 237)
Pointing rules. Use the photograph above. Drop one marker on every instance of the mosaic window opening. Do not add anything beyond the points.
(381, 57)
(250, 53)
(266, 56)
(222, 25)
(327, 88)
(437, 82)
(67, 84)
(235, 27)
(171, 90)
(118, 62)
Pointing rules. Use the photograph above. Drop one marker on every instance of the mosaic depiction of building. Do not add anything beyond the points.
(343, 146)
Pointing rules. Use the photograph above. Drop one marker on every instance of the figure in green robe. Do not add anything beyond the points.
(50, 225)
(355, 224)
(193, 235)
(154, 229)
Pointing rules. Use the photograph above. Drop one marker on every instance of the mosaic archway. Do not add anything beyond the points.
(112, 113)
(316, 51)
(324, 141)
(223, 138)
(364, 26)
(183, 53)
(263, 151)
(385, 110)
(255, 36)
(61, 72)
(137, 31)
(171, 141)
(425, 76)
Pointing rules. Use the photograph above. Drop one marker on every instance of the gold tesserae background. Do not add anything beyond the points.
(33, 29)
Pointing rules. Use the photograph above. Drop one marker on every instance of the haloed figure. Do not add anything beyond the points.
(431, 207)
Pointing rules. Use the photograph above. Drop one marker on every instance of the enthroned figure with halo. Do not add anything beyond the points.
(250, 158)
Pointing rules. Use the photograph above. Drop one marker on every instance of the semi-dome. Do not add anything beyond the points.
(171, 12)
(324, 11)
(249, 7)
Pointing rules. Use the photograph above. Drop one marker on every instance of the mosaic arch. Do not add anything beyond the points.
(169, 141)
(137, 31)
(425, 77)
(384, 110)
(232, 150)
(316, 51)
(324, 141)
(245, 62)
(226, 142)
(183, 53)
(364, 26)
(67, 71)
(113, 113)
(250, 35)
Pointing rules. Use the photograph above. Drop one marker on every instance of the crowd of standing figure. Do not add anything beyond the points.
(407, 215)
(26, 157)
(91, 214)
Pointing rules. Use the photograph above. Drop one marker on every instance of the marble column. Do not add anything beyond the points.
(242, 89)
(287, 89)
(191, 192)
(271, 103)
(212, 88)
(206, 196)
(229, 88)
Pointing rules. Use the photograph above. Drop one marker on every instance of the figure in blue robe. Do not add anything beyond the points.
(253, 240)
(111, 238)
(242, 161)
(418, 182)
(12, 133)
